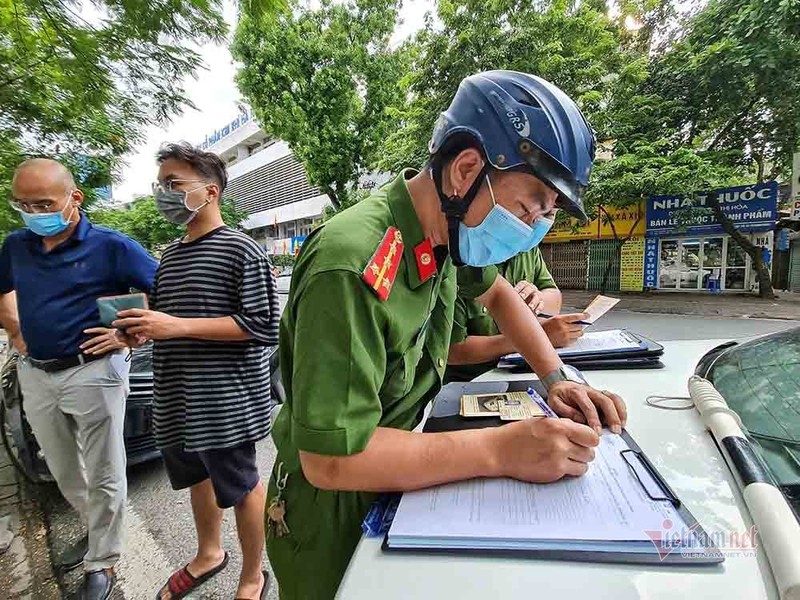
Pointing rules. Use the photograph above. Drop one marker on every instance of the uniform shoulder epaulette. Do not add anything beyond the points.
(382, 268)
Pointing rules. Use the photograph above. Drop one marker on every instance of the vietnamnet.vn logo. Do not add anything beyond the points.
(695, 542)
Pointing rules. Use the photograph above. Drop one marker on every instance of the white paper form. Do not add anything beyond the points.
(596, 341)
(599, 306)
(606, 504)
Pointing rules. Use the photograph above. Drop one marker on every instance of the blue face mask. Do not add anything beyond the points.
(46, 224)
(499, 237)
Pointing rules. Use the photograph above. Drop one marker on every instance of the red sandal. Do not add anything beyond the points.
(181, 583)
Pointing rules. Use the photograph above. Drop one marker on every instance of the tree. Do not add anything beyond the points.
(721, 110)
(82, 88)
(573, 44)
(144, 223)
(322, 80)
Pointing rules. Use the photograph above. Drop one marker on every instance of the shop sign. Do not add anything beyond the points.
(651, 262)
(629, 222)
(297, 243)
(600, 227)
(631, 265)
(751, 208)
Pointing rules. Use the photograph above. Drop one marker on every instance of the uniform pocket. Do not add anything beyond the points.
(399, 383)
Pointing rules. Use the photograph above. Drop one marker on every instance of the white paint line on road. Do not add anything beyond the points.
(144, 567)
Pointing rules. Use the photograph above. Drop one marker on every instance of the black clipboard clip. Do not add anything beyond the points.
(669, 495)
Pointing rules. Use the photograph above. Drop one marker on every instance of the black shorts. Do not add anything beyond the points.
(233, 471)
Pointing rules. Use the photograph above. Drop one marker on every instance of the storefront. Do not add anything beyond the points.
(686, 249)
(588, 256)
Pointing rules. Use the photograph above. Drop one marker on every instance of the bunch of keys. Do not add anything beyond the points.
(276, 511)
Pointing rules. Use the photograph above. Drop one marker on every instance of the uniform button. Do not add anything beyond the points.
(483, 309)
(440, 362)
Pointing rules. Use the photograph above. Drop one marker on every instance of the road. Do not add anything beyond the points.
(160, 528)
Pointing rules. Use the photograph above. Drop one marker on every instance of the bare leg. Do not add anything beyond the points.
(250, 527)
(208, 523)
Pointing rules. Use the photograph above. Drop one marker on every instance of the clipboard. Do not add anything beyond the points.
(644, 357)
(705, 553)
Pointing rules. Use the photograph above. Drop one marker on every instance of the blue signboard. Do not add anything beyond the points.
(297, 243)
(651, 262)
(750, 207)
(783, 240)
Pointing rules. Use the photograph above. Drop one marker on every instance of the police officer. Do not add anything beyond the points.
(476, 343)
(365, 334)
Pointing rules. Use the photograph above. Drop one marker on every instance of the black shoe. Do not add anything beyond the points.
(97, 585)
(73, 556)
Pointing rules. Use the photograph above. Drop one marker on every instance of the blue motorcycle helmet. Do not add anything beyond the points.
(520, 122)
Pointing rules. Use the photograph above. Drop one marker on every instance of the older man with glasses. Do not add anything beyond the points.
(73, 375)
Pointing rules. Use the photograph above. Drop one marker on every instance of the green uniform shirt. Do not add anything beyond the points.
(352, 363)
(471, 318)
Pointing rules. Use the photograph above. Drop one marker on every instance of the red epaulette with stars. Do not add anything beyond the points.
(381, 269)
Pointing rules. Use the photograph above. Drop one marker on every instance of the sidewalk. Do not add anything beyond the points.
(25, 571)
(786, 306)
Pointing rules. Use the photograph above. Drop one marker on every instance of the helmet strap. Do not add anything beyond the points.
(455, 207)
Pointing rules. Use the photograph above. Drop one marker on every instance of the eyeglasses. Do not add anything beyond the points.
(34, 206)
(167, 186)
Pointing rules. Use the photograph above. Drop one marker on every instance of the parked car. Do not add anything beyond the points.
(139, 443)
(284, 280)
(760, 381)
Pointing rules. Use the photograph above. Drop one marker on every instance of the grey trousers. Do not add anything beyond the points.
(78, 416)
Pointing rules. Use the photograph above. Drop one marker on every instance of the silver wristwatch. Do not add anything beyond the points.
(563, 373)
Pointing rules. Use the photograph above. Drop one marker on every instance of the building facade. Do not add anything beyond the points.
(688, 250)
(267, 182)
(673, 244)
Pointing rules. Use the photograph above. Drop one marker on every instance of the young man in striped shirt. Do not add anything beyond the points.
(215, 310)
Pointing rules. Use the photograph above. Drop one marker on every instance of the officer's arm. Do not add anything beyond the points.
(513, 317)
(479, 349)
(417, 460)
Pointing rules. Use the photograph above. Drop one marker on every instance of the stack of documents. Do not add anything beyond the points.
(612, 349)
(619, 511)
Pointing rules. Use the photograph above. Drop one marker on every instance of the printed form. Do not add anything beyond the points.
(606, 504)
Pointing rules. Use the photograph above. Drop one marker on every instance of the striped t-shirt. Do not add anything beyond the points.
(210, 394)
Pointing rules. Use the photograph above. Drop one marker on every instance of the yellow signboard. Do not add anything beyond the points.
(627, 222)
(565, 231)
(631, 265)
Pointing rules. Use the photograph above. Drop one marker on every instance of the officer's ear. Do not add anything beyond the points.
(463, 170)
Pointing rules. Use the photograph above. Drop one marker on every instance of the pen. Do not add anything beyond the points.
(549, 316)
(548, 412)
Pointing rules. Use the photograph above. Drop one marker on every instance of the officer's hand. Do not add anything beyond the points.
(531, 295)
(18, 344)
(544, 450)
(581, 403)
(150, 324)
(562, 330)
(105, 340)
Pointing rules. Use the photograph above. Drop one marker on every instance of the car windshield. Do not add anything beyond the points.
(760, 380)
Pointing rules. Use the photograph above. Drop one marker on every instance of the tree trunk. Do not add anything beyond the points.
(764, 280)
(619, 243)
(334, 198)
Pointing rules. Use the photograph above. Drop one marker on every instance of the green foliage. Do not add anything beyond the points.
(282, 260)
(323, 80)
(573, 44)
(144, 223)
(79, 82)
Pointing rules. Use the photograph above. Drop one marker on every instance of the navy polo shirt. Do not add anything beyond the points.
(57, 291)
